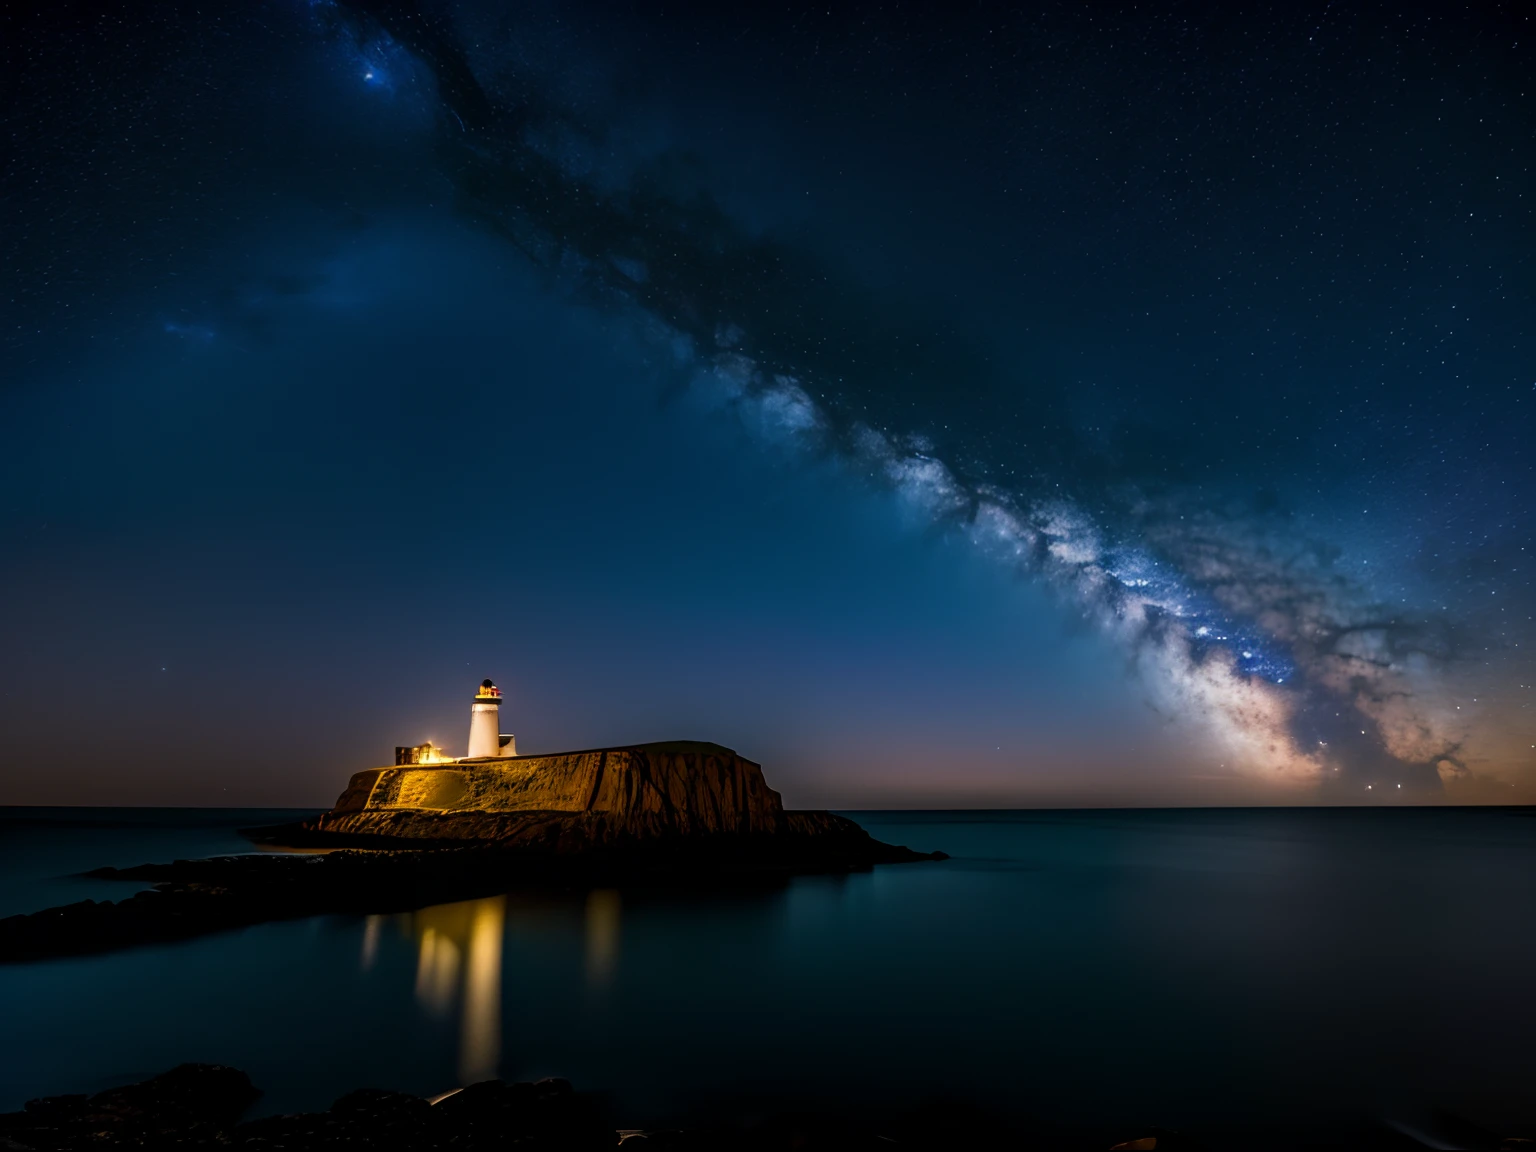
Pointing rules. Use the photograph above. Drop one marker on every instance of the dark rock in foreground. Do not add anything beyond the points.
(200, 1106)
(189, 1106)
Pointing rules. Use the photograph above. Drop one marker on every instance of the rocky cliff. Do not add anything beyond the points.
(681, 788)
(658, 799)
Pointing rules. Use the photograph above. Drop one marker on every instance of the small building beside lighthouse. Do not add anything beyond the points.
(485, 737)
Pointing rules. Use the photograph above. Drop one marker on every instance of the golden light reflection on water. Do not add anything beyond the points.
(480, 1041)
(461, 945)
(603, 924)
(373, 927)
(459, 951)
(437, 971)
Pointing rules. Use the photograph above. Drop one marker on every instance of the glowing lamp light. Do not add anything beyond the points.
(428, 753)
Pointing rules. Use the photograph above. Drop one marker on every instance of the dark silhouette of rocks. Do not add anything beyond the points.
(200, 1106)
(195, 897)
(191, 1106)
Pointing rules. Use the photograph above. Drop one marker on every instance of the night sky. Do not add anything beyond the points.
(943, 406)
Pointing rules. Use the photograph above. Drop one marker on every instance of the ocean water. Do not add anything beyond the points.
(1206, 969)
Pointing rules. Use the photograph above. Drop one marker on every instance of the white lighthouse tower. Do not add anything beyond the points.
(485, 738)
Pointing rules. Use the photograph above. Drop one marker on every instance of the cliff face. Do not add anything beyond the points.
(684, 803)
(647, 790)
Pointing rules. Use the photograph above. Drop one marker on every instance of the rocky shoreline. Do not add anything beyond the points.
(196, 897)
(814, 841)
(201, 1106)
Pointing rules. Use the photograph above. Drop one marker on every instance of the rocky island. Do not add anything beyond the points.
(644, 801)
(679, 813)
(682, 793)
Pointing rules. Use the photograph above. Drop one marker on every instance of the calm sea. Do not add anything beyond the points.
(1196, 968)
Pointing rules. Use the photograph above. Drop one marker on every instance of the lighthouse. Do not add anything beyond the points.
(485, 738)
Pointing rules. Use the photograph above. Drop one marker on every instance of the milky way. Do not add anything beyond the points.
(1236, 621)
